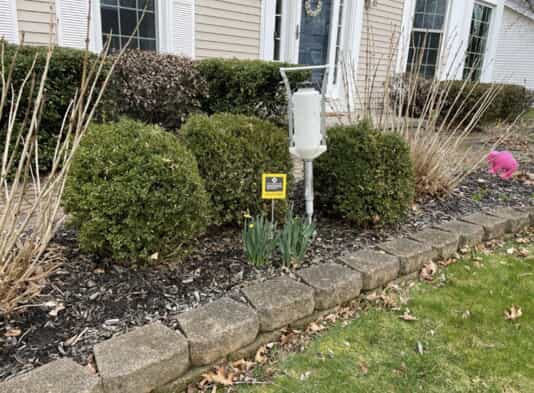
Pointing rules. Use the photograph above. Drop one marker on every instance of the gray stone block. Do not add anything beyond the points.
(280, 301)
(470, 234)
(218, 329)
(332, 284)
(60, 376)
(517, 220)
(377, 268)
(412, 255)
(494, 227)
(444, 243)
(530, 211)
(142, 360)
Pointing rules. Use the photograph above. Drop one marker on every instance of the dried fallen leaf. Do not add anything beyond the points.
(261, 354)
(464, 250)
(523, 252)
(243, 365)
(314, 327)
(513, 313)
(510, 251)
(332, 318)
(13, 332)
(466, 314)
(407, 316)
(448, 262)
(219, 377)
(373, 297)
(288, 337)
(428, 271)
(364, 368)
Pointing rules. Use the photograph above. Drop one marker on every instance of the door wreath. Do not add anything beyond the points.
(310, 11)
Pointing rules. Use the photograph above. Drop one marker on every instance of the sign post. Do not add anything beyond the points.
(273, 187)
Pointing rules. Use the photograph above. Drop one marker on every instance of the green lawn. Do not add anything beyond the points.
(467, 344)
(529, 115)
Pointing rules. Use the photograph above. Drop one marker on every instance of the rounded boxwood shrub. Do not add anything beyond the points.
(133, 191)
(366, 176)
(232, 152)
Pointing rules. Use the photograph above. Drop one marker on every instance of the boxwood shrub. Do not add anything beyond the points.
(509, 103)
(249, 87)
(366, 176)
(134, 192)
(232, 152)
(64, 78)
(157, 88)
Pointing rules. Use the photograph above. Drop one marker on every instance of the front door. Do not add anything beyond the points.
(314, 36)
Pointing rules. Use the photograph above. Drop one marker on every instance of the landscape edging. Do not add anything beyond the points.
(37, 381)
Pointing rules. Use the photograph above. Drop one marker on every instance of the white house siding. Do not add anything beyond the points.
(382, 21)
(227, 28)
(514, 61)
(34, 18)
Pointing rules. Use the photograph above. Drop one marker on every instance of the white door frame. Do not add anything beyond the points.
(290, 42)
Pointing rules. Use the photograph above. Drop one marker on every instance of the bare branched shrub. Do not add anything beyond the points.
(29, 204)
(447, 112)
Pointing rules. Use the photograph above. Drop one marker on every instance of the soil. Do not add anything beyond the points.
(89, 300)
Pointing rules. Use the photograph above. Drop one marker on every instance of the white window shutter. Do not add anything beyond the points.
(183, 27)
(72, 24)
(8, 21)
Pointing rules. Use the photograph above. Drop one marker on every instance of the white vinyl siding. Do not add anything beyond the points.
(34, 19)
(514, 61)
(228, 28)
(381, 28)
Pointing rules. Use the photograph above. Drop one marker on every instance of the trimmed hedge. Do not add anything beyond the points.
(157, 88)
(366, 176)
(64, 78)
(133, 191)
(232, 152)
(509, 103)
(249, 87)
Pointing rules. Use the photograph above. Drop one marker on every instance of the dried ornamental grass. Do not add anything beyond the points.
(448, 112)
(30, 205)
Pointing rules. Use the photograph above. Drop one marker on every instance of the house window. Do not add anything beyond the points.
(338, 38)
(120, 18)
(427, 34)
(478, 39)
(277, 31)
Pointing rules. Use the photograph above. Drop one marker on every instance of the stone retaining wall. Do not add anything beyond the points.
(155, 358)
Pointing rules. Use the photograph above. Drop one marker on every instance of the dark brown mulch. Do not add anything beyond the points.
(101, 300)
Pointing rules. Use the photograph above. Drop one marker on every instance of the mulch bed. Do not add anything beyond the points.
(89, 300)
